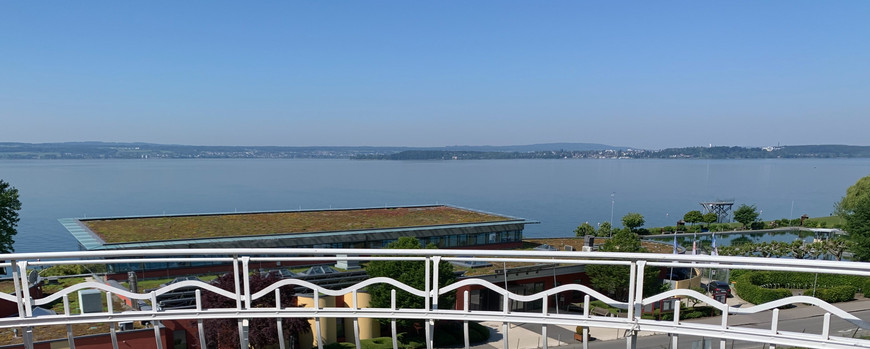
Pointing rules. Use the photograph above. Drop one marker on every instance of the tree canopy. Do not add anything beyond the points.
(604, 229)
(858, 226)
(585, 229)
(9, 206)
(411, 273)
(262, 333)
(693, 217)
(633, 220)
(746, 214)
(709, 218)
(854, 194)
(613, 280)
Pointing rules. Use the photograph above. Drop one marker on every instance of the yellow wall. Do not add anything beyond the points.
(327, 325)
(368, 328)
(689, 283)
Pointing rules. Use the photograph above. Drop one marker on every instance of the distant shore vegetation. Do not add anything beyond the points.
(103, 150)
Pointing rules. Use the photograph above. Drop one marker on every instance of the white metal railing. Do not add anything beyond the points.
(242, 260)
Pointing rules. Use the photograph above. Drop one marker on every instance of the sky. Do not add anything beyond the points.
(646, 74)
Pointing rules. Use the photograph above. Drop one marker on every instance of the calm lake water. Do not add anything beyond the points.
(559, 193)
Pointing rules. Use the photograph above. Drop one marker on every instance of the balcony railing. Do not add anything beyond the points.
(242, 263)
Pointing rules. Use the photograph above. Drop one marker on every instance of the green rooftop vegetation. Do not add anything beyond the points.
(125, 230)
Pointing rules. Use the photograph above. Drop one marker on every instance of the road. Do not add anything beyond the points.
(811, 324)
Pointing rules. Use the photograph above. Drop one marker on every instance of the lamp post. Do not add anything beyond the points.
(612, 203)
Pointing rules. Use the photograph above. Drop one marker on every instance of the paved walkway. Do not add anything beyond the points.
(527, 336)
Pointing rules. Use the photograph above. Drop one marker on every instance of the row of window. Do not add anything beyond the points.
(444, 241)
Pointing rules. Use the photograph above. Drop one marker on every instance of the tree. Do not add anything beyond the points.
(854, 194)
(9, 206)
(613, 280)
(709, 218)
(411, 273)
(604, 229)
(693, 217)
(858, 226)
(632, 221)
(585, 229)
(262, 333)
(746, 214)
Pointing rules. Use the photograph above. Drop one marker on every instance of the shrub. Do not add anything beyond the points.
(748, 289)
(758, 287)
(835, 294)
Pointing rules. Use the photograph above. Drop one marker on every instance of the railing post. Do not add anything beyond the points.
(69, 333)
(238, 289)
(356, 339)
(317, 320)
(27, 302)
(278, 321)
(466, 308)
(393, 320)
(675, 337)
(199, 325)
(428, 304)
(544, 313)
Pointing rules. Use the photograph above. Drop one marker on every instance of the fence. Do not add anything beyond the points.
(241, 262)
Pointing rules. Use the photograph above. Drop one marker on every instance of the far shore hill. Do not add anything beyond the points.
(104, 150)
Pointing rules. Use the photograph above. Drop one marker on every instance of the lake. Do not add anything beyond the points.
(561, 194)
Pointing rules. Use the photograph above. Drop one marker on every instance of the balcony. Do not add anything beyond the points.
(322, 304)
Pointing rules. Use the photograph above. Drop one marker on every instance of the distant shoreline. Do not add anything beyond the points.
(99, 150)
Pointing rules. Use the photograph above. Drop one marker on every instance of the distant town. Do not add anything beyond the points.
(103, 150)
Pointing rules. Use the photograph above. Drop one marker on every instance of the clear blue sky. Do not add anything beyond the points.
(648, 74)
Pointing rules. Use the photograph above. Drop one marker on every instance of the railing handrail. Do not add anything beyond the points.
(242, 258)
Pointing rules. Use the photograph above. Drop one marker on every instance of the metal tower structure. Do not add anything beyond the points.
(722, 209)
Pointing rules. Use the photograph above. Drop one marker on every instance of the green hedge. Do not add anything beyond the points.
(747, 288)
(759, 287)
(835, 294)
(685, 313)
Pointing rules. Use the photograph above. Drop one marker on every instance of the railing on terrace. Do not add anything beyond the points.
(244, 260)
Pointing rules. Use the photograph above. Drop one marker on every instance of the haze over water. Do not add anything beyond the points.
(560, 194)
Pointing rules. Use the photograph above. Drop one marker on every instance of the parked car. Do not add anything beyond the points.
(720, 285)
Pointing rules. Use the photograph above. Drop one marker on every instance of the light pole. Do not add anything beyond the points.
(612, 203)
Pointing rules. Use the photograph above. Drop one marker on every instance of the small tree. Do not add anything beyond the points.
(693, 217)
(633, 220)
(604, 229)
(411, 273)
(709, 218)
(746, 214)
(9, 206)
(585, 229)
(858, 226)
(262, 333)
(613, 279)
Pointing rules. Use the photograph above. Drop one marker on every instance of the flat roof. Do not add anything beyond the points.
(121, 230)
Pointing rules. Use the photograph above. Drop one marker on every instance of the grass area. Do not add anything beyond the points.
(829, 221)
(7, 286)
(209, 226)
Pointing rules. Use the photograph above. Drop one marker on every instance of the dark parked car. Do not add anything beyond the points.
(720, 285)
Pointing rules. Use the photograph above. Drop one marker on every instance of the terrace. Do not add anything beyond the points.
(773, 330)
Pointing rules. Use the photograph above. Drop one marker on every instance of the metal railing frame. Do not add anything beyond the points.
(243, 310)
